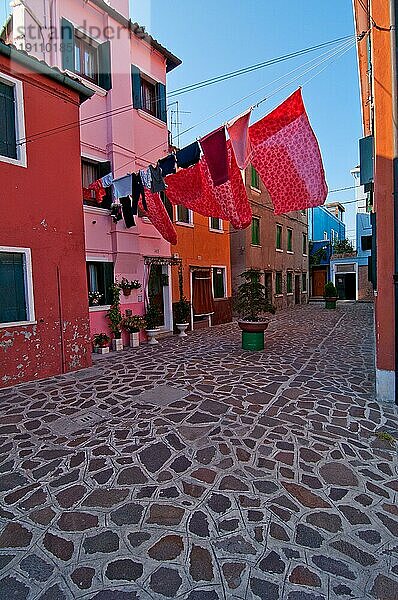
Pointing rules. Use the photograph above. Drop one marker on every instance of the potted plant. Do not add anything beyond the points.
(127, 285)
(134, 324)
(101, 343)
(182, 313)
(115, 318)
(153, 319)
(94, 298)
(330, 295)
(251, 304)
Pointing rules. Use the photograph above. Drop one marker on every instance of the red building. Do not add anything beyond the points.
(44, 325)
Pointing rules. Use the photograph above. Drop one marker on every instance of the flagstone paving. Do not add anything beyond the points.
(198, 471)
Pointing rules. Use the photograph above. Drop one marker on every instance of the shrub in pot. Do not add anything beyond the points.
(133, 325)
(252, 305)
(153, 319)
(330, 295)
(182, 313)
(115, 318)
(101, 343)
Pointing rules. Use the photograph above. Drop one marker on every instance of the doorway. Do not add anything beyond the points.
(297, 293)
(318, 282)
(346, 286)
(159, 293)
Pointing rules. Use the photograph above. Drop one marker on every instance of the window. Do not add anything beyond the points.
(148, 95)
(255, 179)
(100, 277)
(304, 282)
(255, 231)
(16, 298)
(218, 282)
(279, 237)
(215, 224)
(12, 126)
(289, 242)
(289, 282)
(305, 243)
(366, 242)
(325, 235)
(91, 171)
(184, 215)
(278, 282)
(86, 58)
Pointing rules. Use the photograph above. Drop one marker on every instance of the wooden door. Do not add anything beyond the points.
(318, 282)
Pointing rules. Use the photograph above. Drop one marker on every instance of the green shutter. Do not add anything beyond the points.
(255, 231)
(136, 85)
(8, 142)
(12, 286)
(67, 45)
(108, 281)
(218, 283)
(104, 63)
(161, 109)
(366, 152)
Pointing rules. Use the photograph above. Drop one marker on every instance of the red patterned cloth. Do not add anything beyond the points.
(238, 131)
(194, 189)
(158, 216)
(286, 154)
(98, 189)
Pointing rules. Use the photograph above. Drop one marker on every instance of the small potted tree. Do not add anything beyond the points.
(115, 318)
(126, 286)
(182, 313)
(251, 304)
(153, 319)
(133, 325)
(330, 295)
(101, 343)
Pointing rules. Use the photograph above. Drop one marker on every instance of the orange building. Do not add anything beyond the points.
(375, 25)
(204, 250)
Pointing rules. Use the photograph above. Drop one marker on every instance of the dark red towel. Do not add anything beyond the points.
(214, 146)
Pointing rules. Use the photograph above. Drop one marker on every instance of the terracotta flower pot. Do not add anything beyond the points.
(126, 291)
(253, 326)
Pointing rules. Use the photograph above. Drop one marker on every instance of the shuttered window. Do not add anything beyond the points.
(215, 223)
(12, 287)
(279, 237)
(148, 95)
(278, 282)
(304, 282)
(8, 134)
(255, 231)
(255, 179)
(219, 282)
(289, 282)
(289, 244)
(184, 215)
(100, 278)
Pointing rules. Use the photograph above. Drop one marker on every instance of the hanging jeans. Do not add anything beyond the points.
(137, 192)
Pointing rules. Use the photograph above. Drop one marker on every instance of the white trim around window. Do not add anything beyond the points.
(183, 223)
(212, 229)
(224, 268)
(21, 161)
(28, 284)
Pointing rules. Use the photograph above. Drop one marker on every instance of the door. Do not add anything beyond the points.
(297, 295)
(155, 289)
(340, 286)
(318, 282)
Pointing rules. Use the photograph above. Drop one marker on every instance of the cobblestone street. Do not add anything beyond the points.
(198, 471)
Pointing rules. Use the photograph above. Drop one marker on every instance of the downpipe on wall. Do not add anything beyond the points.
(394, 62)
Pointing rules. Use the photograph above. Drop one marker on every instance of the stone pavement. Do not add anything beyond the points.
(198, 471)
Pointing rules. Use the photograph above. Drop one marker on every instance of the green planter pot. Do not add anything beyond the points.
(330, 303)
(253, 334)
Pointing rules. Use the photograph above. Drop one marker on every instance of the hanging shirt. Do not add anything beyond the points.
(157, 181)
(122, 186)
(168, 164)
(127, 211)
(98, 189)
(188, 156)
(107, 180)
(146, 178)
(214, 146)
(286, 155)
(137, 192)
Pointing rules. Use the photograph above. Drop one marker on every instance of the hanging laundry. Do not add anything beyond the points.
(107, 180)
(137, 191)
(188, 156)
(168, 164)
(286, 154)
(87, 194)
(157, 181)
(98, 189)
(238, 131)
(214, 146)
(127, 211)
(158, 216)
(146, 178)
(122, 186)
(116, 212)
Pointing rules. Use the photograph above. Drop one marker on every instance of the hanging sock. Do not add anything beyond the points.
(287, 157)
(127, 211)
(107, 180)
(214, 146)
(146, 178)
(158, 216)
(157, 181)
(122, 186)
(168, 164)
(98, 189)
(188, 156)
(137, 192)
(238, 131)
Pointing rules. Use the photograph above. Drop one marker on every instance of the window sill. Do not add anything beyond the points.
(289, 252)
(254, 189)
(95, 210)
(90, 84)
(17, 324)
(256, 245)
(278, 295)
(304, 292)
(17, 162)
(305, 254)
(151, 118)
(99, 308)
(289, 293)
(184, 224)
(218, 299)
(216, 230)
(278, 250)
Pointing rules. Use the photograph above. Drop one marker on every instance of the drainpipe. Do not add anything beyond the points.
(394, 61)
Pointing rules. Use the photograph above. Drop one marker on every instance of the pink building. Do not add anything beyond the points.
(123, 128)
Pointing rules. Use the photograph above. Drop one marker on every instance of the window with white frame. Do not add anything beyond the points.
(219, 285)
(215, 224)
(100, 278)
(325, 235)
(16, 285)
(12, 122)
(183, 215)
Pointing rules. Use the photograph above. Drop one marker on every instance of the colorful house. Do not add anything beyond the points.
(44, 320)
(123, 129)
